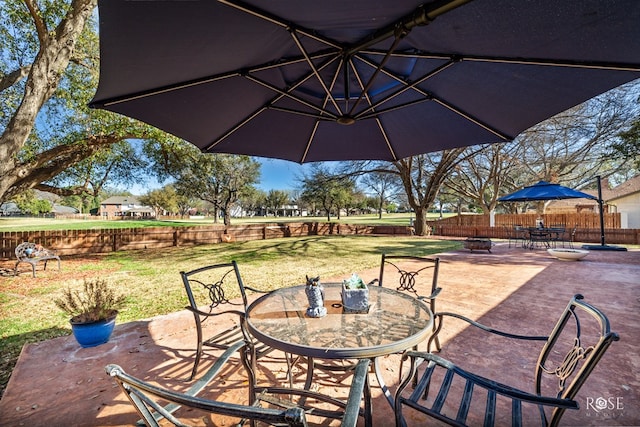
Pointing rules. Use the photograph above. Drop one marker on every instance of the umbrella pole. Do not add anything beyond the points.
(600, 206)
(602, 246)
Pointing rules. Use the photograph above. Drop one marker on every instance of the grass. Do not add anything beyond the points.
(33, 224)
(153, 287)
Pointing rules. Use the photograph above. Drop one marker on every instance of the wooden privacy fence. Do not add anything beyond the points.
(73, 242)
(629, 236)
(587, 226)
(569, 220)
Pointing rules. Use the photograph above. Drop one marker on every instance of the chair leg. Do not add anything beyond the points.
(194, 370)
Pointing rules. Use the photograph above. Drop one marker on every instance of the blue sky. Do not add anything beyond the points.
(280, 174)
(274, 175)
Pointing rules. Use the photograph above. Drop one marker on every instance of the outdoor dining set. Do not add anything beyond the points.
(399, 317)
(540, 236)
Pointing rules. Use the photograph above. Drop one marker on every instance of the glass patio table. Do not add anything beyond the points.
(394, 323)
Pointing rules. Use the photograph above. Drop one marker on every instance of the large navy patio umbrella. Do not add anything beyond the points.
(361, 79)
(545, 191)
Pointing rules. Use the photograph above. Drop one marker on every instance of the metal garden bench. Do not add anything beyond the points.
(32, 253)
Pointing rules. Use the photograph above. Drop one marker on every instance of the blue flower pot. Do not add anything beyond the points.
(93, 334)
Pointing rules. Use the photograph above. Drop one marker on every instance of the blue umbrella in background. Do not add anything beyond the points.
(545, 191)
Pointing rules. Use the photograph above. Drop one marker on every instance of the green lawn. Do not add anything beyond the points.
(31, 224)
(152, 284)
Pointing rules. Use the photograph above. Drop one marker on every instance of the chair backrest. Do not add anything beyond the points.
(149, 401)
(575, 346)
(410, 273)
(215, 285)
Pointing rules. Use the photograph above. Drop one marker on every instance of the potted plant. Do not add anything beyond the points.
(355, 295)
(93, 311)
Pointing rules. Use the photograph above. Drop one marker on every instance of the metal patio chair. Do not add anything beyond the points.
(150, 400)
(516, 234)
(312, 402)
(571, 238)
(414, 273)
(207, 290)
(568, 356)
(557, 232)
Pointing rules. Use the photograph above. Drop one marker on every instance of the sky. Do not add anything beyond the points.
(274, 175)
(280, 174)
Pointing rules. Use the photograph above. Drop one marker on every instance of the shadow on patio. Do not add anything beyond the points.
(57, 383)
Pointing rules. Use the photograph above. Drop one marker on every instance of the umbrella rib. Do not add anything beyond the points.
(269, 104)
(318, 119)
(163, 89)
(394, 108)
(309, 141)
(380, 126)
(262, 14)
(472, 119)
(314, 70)
(203, 80)
(289, 95)
(597, 65)
(431, 96)
(377, 71)
(406, 85)
(234, 128)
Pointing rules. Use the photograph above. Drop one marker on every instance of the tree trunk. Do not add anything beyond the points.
(421, 222)
(56, 48)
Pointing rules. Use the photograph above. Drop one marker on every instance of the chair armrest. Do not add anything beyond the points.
(260, 291)
(493, 385)
(204, 313)
(143, 396)
(358, 384)
(439, 317)
(435, 293)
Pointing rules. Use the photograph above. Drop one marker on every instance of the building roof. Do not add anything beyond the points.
(60, 209)
(628, 187)
(121, 200)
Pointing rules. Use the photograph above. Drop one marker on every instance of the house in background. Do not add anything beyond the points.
(121, 206)
(623, 199)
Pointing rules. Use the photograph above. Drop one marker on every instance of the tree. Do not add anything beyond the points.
(252, 200)
(164, 199)
(629, 145)
(570, 148)
(275, 200)
(28, 203)
(483, 172)
(48, 72)
(327, 189)
(383, 186)
(220, 179)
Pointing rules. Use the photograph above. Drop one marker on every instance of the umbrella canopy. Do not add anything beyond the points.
(545, 191)
(361, 79)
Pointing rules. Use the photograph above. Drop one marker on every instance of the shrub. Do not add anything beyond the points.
(95, 302)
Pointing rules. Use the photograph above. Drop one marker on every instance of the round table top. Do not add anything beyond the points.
(395, 322)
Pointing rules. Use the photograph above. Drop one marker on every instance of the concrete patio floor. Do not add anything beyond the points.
(57, 383)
